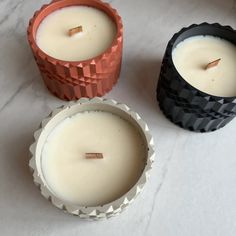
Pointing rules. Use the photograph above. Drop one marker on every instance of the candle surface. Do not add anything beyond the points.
(191, 57)
(93, 182)
(96, 37)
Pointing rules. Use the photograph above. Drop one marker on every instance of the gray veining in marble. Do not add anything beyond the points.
(192, 187)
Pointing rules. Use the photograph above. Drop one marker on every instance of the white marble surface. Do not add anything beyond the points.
(192, 190)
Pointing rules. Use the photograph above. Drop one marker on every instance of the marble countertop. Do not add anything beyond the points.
(192, 187)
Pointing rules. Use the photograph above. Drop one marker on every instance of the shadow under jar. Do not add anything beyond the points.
(204, 99)
(77, 45)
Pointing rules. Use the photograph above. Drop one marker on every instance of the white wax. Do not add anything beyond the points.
(87, 182)
(98, 33)
(192, 55)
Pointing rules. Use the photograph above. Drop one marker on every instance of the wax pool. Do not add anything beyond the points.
(93, 182)
(97, 36)
(191, 56)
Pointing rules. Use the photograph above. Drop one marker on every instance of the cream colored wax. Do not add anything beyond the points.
(191, 56)
(92, 182)
(97, 35)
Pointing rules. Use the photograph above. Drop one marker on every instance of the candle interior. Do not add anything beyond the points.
(99, 31)
(86, 182)
(191, 56)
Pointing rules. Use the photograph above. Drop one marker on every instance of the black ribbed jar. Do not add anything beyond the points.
(184, 104)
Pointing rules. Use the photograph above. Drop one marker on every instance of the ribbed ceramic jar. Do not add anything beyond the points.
(73, 80)
(83, 105)
(184, 104)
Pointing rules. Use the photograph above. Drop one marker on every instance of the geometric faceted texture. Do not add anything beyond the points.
(188, 119)
(98, 212)
(190, 107)
(73, 80)
(185, 105)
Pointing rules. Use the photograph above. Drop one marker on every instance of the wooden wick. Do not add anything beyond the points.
(93, 155)
(212, 64)
(75, 30)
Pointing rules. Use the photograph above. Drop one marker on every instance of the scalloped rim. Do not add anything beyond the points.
(109, 209)
(169, 49)
(118, 39)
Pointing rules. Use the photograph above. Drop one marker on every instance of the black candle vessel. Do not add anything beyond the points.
(184, 104)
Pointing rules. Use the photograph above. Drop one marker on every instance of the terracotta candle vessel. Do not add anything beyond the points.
(80, 56)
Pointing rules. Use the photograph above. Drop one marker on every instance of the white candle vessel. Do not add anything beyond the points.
(92, 188)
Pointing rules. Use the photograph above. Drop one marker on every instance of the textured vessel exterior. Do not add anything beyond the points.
(99, 212)
(185, 105)
(88, 78)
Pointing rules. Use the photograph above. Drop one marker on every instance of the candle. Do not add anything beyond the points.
(192, 55)
(77, 45)
(92, 158)
(95, 34)
(99, 180)
(197, 84)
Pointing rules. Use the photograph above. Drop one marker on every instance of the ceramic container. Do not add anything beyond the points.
(93, 77)
(84, 104)
(184, 104)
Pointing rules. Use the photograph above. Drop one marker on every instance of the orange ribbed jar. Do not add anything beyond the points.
(73, 80)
